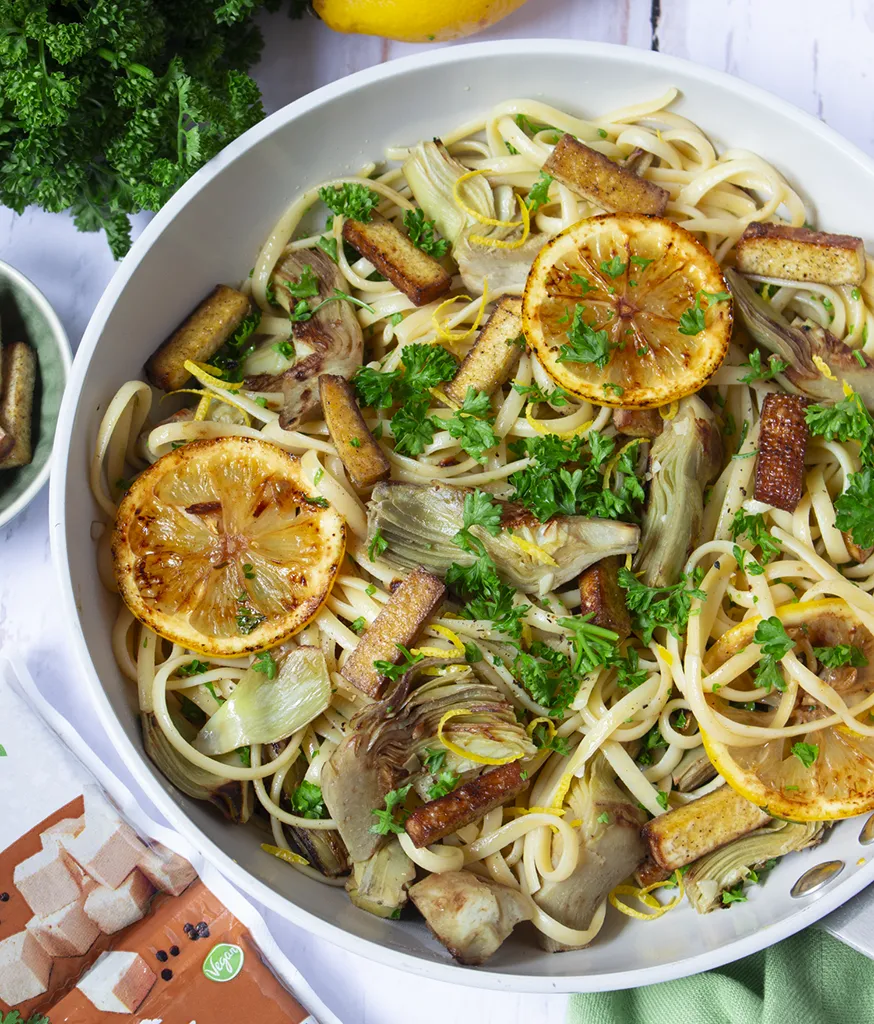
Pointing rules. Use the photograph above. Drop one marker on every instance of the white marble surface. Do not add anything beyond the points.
(816, 58)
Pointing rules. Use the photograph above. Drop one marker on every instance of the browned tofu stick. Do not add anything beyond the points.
(702, 826)
(419, 276)
(494, 354)
(198, 337)
(638, 422)
(799, 254)
(365, 462)
(649, 873)
(447, 814)
(603, 598)
(16, 404)
(783, 437)
(399, 622)
(595, 177)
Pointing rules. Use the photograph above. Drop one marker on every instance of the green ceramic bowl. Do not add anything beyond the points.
(25, 315)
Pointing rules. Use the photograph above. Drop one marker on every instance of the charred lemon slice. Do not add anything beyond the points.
(220, 547)
(818, 775)
(627, 310)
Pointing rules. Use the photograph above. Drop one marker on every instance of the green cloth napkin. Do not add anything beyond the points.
(810, 978)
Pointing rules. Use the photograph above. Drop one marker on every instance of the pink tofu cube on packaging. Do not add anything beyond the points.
(67, 932)
(114, 909)
(46, 881)
(65, 827)
(118, 982)
(24, 968)
(166, 870)
(107, 849)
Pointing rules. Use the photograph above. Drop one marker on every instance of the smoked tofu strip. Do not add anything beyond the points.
(198, 337)
(702, 826)
(365, 462)
(16, 404)
(783, 437)
(469, 802)
(603, 598)
(400, 622)
(419, 276)
(638, 422)
(799, 254)
(494, 354)
(597, 178)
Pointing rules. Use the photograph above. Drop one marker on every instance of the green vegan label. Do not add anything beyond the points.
(223, 962)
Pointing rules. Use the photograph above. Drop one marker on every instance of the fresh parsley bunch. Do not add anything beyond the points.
(108, 106)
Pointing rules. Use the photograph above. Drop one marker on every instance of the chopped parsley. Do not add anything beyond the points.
(265, 664)
(774, 643)
(249, 571)
(306, 286)
(586, 345)
(752, 526)
(535, 394)
(284, 348)
(603, 818)
(593, 645)
(302, 310)
(307, 801)
(806, 753)
(472, 653)
(377, 545)
(193, 668)
(350, 200)
(641, 261)
(629, 674)
(423, 234)
(662, 798)
(840, 655)
(734, 896)
(390, 820)
(471, 425)
(433, 760)
(394, 672)
(692, 321)
(541, 739)
(538, 194)
(769, 371)
(446, 782)
(654, 607)
(358, 625)
(247, 619)
(231, 356)
(613, 267)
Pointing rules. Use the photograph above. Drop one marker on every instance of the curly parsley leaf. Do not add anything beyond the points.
(306, 286)
(840, 655)
(692, 321)
(586, 345)
(538, 194)
(394, 672)
(377, 546)
(654, 607)
(351, 200)
(390, 820)
(754, 529)
(446, 782)
(541, 739)
(774, 643)
(806, 753)
(307, 801)
(855, 508)
(265, 664)
(769, 371)
(847, 420)
(423, 234)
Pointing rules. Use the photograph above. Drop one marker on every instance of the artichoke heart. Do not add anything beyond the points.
(261, 710)
(381, 750)
(725, 868)
(379, 884)
(797, 344)
(611, 848)
(432, 174)
(683, 460)
(419, 522)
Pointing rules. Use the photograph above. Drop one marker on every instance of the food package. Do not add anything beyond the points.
(106, 916)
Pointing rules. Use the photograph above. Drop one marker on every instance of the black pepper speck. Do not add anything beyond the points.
(4, 897)
(187, 927)
(166, 974)
(162, 956)
(203, 929)
(174, 951)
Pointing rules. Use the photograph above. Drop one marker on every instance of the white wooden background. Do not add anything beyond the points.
(815, 53)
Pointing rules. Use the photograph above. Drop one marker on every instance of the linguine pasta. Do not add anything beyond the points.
(643, 732)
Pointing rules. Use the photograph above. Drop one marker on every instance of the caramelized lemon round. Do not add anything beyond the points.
(221, 547)
(627, 310)
(818, 775)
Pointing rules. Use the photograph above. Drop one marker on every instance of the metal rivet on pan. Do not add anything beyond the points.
(866, 836)
(816, 878)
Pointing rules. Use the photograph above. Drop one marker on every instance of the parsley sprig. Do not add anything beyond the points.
(391, 819)
(774, 643)
(351, 200)
(655, 607)
(585, 344)
(423, 234)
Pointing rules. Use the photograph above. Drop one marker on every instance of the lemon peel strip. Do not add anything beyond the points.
(502, 243)
(475, 214)
(823, 368)
(448, 335)
(670, 411)
(207, 374)
(289, 856)
(466, 754)
(644, 897)
(533, 550)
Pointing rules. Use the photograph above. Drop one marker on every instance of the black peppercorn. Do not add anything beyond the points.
(174, 951)
(203, 929)
(166, 974)
(4, 897)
